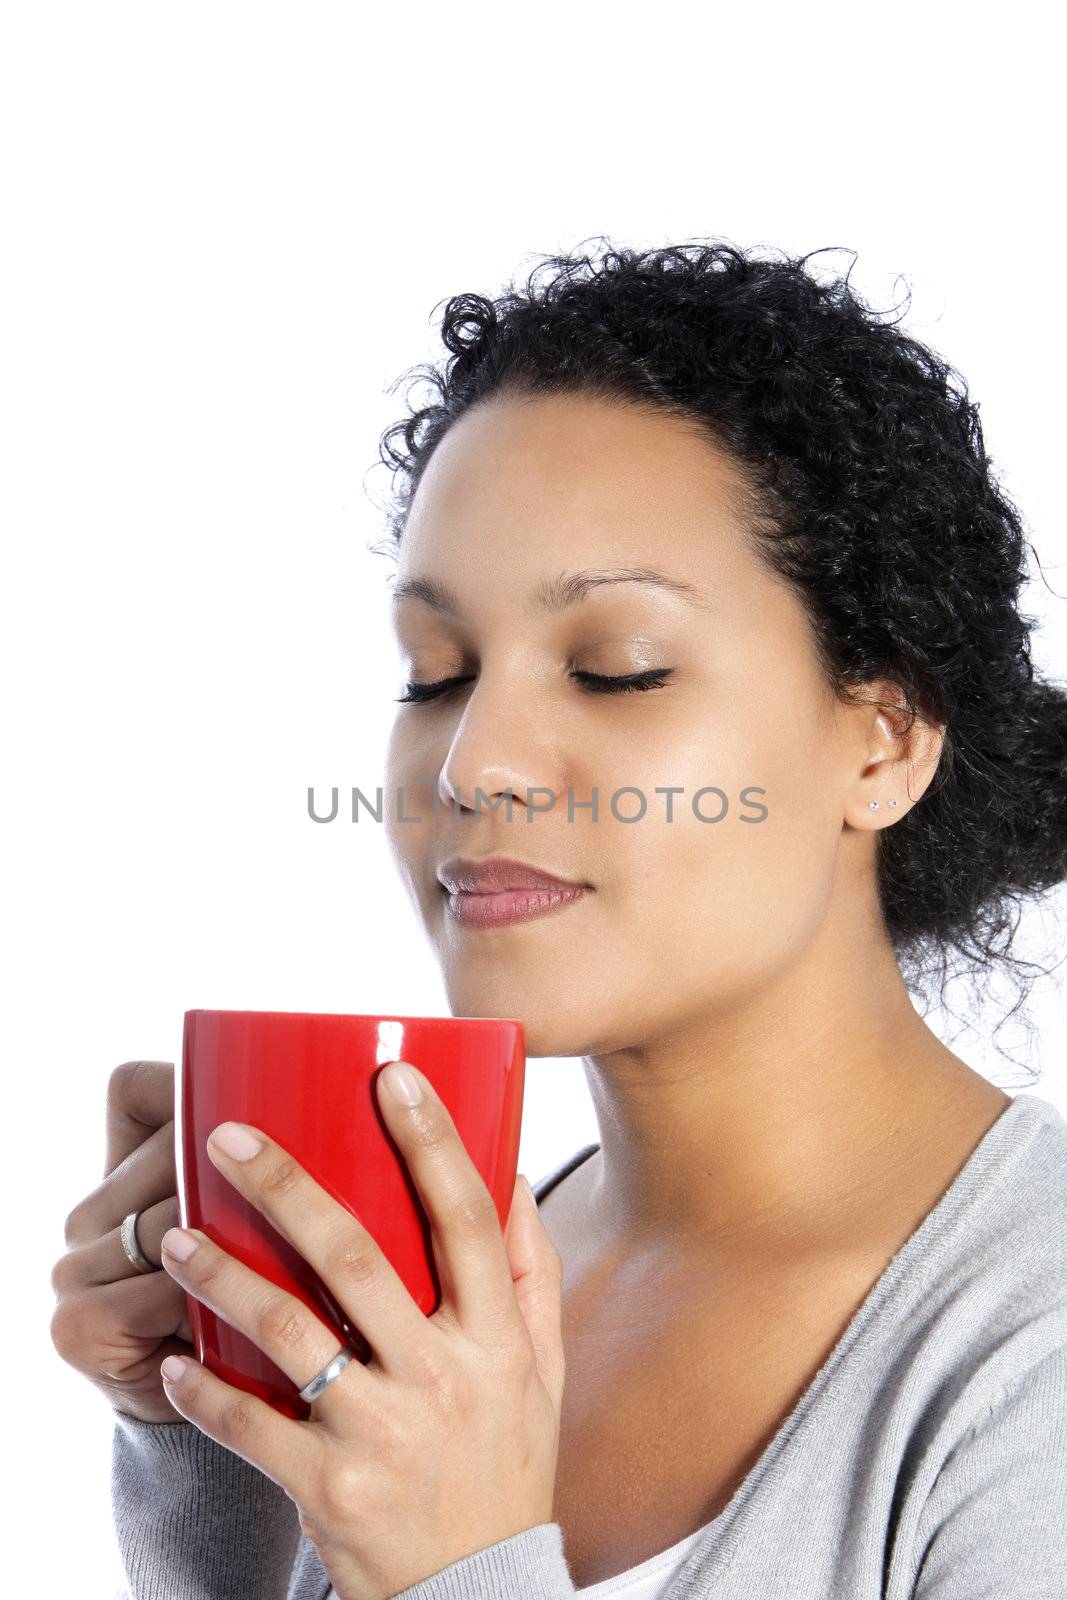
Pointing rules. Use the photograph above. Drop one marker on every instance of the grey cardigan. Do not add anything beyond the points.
(926, 1460)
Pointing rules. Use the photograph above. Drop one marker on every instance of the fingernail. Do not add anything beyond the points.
(402, 1083)
(179, 1244)
(236, 1141)
(173, 1369)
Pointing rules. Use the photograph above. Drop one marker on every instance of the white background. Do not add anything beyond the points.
(226, 228)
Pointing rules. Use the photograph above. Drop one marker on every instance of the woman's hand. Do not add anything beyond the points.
(446, 1440)
(113, 1323)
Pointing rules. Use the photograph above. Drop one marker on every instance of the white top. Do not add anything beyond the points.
(648, 1581)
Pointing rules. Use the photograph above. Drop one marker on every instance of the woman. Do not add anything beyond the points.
(694, 526)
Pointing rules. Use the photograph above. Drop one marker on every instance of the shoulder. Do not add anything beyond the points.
(1000, 1233)
(974, 1316)
(993, 1521)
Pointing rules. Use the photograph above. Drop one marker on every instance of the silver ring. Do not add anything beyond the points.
(134, 1254)
(332, 1370)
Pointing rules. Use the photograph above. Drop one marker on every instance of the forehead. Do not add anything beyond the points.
(522, 487)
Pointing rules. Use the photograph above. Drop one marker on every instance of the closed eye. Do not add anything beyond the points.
(595, 682)
(650, 679)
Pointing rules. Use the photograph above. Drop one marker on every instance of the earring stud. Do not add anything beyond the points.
(892, 803)
(873, 805)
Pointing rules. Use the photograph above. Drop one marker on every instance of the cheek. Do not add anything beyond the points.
(731, 896)
(411, 842)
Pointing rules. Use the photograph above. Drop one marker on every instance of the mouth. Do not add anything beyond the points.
(496, 874)
(498, 891)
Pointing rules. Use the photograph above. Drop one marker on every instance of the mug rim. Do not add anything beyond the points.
(359, 1016)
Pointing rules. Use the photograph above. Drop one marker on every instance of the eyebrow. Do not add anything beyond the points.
(552, 594)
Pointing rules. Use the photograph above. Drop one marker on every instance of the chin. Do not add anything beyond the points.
(535, 1004)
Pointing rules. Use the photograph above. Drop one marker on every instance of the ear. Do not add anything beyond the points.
(895, 762)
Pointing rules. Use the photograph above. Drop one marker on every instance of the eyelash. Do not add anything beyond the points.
(596, 682)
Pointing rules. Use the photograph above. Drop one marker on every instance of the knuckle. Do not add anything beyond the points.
(353, 1259)
(471, 1213)
(281, 1324)
(427, 1131)
(114, 1364)
(449, 1392)
(236, 1419)
(72, 1227)
(339, 1490)
(205, 1266)
(136, 1089)
(118, 1078)
(123, 1081)
(284, 1176)
(435, 1375)
(394, 1446)
(69, 1329)
(63, 1274)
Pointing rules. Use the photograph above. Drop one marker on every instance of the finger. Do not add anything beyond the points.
(140, 1098)
(537, 1277)
(104, 1260)
(146, 1175)
(152, 1224)
(298, 1341)
(333, 1242)
(151, 1307)
(277, 1445)
(468, 1242)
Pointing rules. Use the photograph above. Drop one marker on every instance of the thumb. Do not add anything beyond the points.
(536, 1274)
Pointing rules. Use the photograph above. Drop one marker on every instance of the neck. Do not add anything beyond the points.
(773, 1117)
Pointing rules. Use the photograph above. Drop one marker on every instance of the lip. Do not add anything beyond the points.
(499, 891)
(496, 874)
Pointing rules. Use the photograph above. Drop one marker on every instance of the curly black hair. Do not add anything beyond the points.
(870, 492)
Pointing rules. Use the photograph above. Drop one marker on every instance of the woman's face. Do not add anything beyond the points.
(684, 917)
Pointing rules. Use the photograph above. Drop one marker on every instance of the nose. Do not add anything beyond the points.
(495, 750)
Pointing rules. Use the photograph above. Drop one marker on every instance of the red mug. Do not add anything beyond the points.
(309, 1081)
